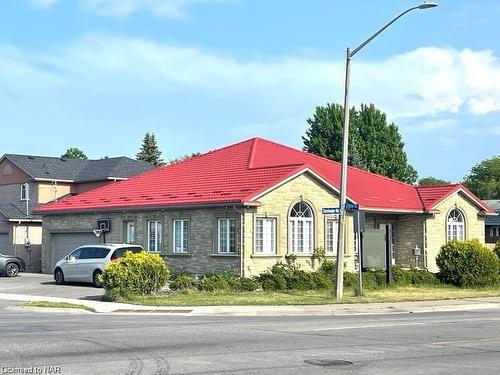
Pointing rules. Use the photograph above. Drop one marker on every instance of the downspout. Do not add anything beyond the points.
(242, 223)
(14, 236)
(424, 243)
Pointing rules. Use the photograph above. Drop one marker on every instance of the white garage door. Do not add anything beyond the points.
(4, 243)
(64, 243)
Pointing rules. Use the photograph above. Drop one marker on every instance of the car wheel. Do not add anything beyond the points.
(95, 279)
(11, 269)
(59, 276)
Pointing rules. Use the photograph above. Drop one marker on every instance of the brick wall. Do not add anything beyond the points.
(202, 257)
(407, 233)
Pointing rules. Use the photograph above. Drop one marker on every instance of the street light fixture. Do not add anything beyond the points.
(345, 142)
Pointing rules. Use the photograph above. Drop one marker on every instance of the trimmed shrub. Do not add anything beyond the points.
(467, 264)
(183, 281)
(272, 282)
(300, 280)
(329, 267)
(413, 276)
(497, 249)
(248, 285)
(373, 279)
(215, 282)
(135, 274)
(400, 276)
(322, 280)
(422, 277)
(350, 279)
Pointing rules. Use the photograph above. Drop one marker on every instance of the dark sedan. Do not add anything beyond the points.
(10, 265)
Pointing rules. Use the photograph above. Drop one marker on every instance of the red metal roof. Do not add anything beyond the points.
(237, 174)
(434, 194)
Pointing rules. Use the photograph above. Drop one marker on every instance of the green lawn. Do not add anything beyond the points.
(57, 305)
(393, 294)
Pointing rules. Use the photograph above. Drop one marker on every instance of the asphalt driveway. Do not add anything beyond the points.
(43, 285)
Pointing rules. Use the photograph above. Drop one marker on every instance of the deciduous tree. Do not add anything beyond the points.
(74, 153)
(374, 144)
(431, 181)
(484, 179)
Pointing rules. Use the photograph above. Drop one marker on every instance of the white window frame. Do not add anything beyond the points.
(331, 239)
(130, 234)
(184, 236)
(25, 192)
(301, 231)
(157, 233)
(267, 243)
(227, 223)
(455, 230)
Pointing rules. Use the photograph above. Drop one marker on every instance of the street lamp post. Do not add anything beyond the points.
(341, 244)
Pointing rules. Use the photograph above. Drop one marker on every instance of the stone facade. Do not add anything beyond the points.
(201, 258)
(426, 231)
(436, 225)
(277, 204)
(407, 233)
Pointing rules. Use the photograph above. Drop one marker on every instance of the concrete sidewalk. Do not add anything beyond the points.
(333, 309)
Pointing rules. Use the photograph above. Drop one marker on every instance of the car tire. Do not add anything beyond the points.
(59, 276)
(95, 279)
(11, 269)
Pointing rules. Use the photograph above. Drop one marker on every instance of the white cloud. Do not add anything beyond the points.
(99, 69)
(119, 8)
(430, 125)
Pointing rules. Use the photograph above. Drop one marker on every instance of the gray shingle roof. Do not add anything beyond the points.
(78, 170)
(495, 204)
(17, 211)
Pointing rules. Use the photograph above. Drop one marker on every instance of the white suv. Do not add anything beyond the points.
(86, 263)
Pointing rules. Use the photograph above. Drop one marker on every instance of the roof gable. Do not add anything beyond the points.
(77, 170)
(235, 174)
(241, 172)
(433, 195)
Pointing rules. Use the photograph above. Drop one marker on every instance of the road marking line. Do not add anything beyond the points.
(466, 341)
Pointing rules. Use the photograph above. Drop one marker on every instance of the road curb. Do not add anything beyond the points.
(100, 307)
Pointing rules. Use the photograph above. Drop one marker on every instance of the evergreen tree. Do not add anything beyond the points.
(374, 144)
(149, 151)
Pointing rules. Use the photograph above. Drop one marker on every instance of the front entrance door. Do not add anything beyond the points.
(389, 226)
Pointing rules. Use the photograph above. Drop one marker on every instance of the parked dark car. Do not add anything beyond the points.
(10, 265)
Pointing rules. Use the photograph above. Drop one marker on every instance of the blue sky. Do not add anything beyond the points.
(200, 74)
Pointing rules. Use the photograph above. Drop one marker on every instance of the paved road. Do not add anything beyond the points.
(431, 343)
(43, 285)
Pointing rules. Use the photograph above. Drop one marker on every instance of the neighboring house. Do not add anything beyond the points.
(492, 229)
(243, 207)
(39, 179)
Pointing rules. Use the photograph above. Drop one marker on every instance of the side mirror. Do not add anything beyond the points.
(66, 258)
(71, 259)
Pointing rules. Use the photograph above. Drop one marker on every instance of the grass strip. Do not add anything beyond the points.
(57, 305)
(390, 294)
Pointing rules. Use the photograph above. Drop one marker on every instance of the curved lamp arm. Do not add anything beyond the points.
(421, 6)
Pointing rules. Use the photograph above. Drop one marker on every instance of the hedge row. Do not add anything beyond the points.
(464, 263)
(286, 276)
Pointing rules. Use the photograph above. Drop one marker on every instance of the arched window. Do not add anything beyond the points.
(455, 225)
(301, 228)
